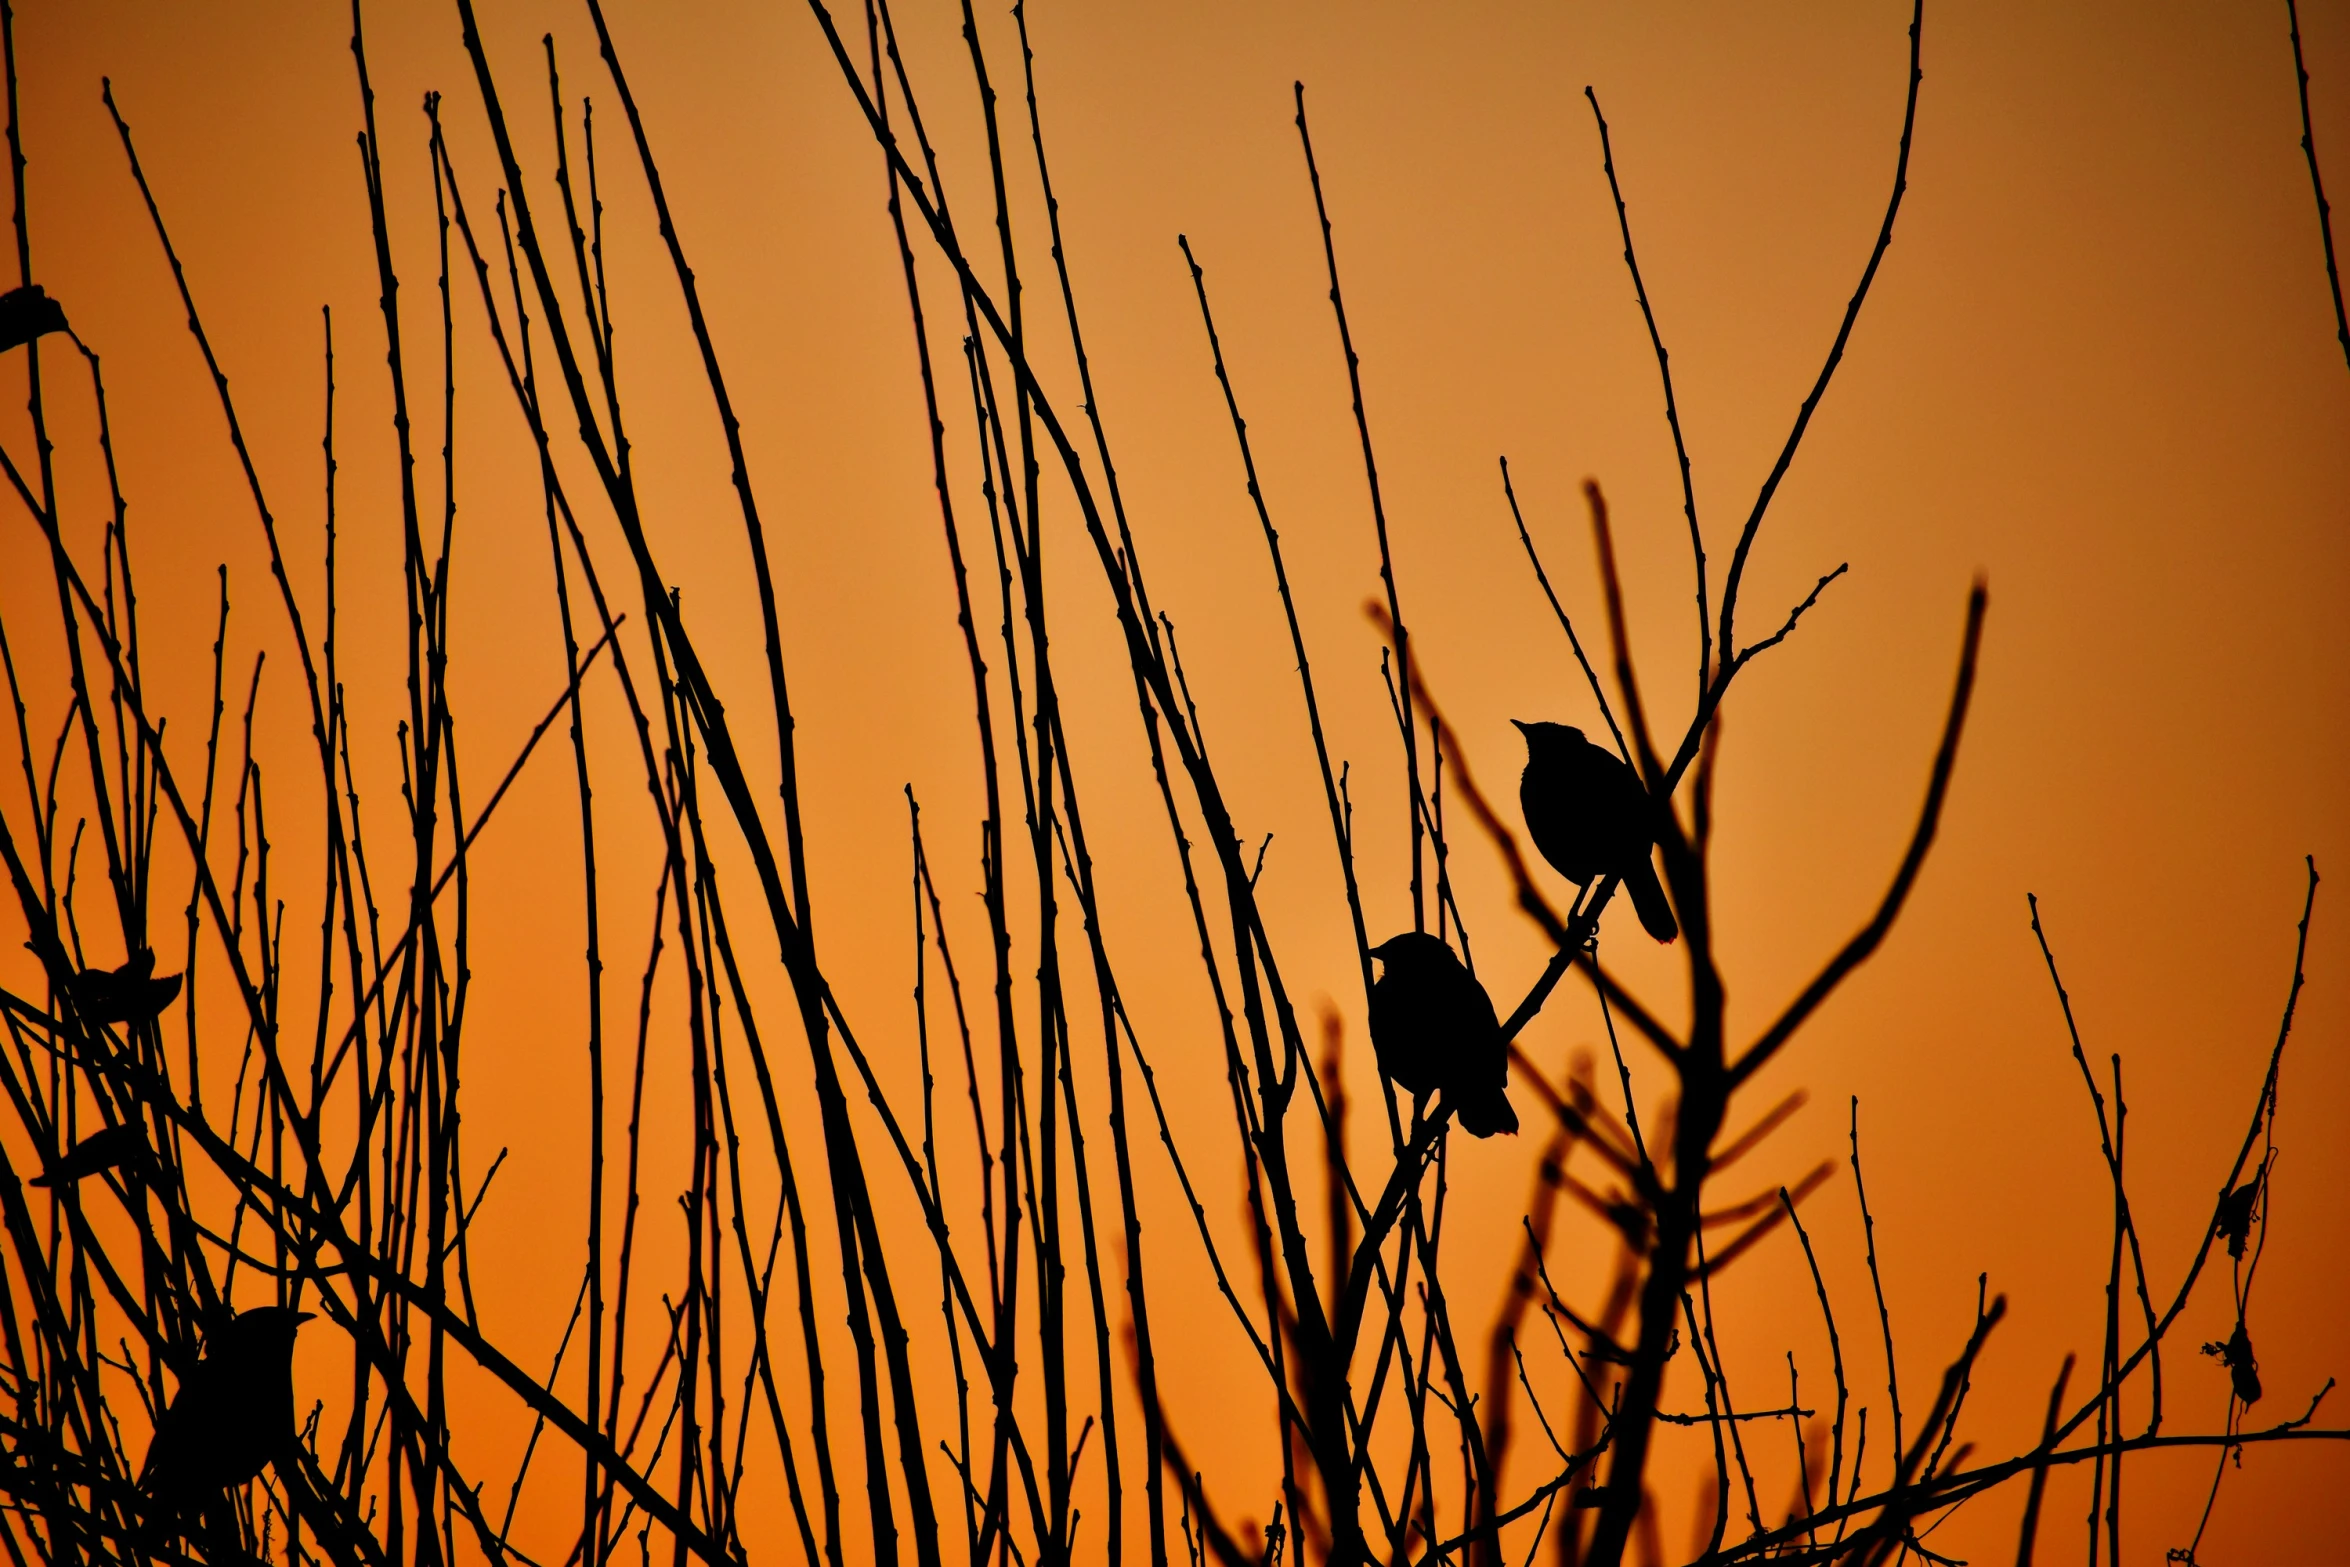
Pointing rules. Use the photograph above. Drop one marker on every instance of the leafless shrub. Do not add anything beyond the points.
(338, 1176)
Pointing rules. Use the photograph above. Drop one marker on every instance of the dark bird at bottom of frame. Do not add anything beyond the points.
(233, 1414)
(1434, 1031)
(1590, 816)
(129, 994)
(114, 1147)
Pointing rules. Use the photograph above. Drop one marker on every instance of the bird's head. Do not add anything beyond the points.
(267, 1325)
(1543, 737)
(1412, 949)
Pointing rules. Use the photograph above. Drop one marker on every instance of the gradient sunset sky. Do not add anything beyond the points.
(2098, 369)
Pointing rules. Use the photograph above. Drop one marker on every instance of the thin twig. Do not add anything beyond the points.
(2325, 213)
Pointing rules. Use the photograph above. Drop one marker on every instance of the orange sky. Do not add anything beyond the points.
(2098, 368)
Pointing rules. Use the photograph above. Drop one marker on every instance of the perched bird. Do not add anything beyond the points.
(2243, 1370)
(2234, 1224)
(101, 1150)
(27, 313)
(1433, 1028)
(129, 994)
(233, 1414)
(1590, 816)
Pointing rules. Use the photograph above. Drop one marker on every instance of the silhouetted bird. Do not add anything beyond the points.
(27, 313)
(233, 1414)
(1590, 816)
(101, 1150)
(1433, 1028)
(2235, 1215)
(2243, 1370)
(129, 994)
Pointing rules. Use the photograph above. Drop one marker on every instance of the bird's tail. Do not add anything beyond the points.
(1648, 900)
(1483, 1114)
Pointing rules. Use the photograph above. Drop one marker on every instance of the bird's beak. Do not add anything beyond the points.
(301, 1317)
(1524, 727)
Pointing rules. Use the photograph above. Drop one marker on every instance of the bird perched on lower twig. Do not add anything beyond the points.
(1433, 1028)
(2243, 1369)
(101, 1150)
(27, 313)
(1590, 816)
(233, 1414)
(129, 994)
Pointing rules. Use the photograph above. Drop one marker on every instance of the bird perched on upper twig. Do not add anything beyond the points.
(1433, 1028)
(2234, 1224)
(1590, 816)
(27, 313)
(233, 1414)
(129, 994)
(101, 1150)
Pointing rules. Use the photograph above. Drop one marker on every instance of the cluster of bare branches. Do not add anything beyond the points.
(835, 1247)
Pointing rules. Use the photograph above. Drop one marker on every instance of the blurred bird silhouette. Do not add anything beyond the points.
(233, 1414)
(1590, 816)
(129, 994)
(1433, 1028)
(101, 1150)
(27, 313)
